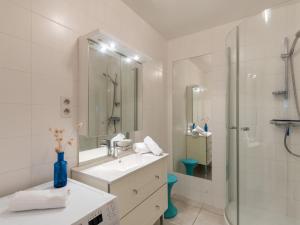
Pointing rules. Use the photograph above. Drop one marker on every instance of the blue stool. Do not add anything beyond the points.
(190, 165)
(171, 210)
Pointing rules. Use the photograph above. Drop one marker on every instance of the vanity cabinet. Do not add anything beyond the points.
(148, 211)
(141, 194)
(135, 188)
(200, 148)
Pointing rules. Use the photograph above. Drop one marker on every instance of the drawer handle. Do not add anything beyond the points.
(135, 191)
(157, 206)
(157, 177)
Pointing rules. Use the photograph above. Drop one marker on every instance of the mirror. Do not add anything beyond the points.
(113, 94)
(192, 137)
(110, 98)
(195, 97)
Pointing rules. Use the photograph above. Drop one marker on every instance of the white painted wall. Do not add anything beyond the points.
(38, 64)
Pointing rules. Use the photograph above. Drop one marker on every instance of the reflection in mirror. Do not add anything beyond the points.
(113, 93)
(110, 98)
(104, 93)
(91, 148)
(192, 139)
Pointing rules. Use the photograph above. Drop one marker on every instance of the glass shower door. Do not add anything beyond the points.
(232, 203)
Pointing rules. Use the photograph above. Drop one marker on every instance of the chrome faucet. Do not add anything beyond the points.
(108, 146)
(115, 149)
(111, 147)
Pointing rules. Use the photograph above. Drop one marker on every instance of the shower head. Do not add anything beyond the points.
(297, 36)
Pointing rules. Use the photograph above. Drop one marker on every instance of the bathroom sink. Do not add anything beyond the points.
(123, 164)
(115, 169)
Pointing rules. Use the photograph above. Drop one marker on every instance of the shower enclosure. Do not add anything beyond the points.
(263, 138)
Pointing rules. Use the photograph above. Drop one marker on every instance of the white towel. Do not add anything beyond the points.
(118, 137)
(39, 199)
(197, 130)
(141, 148)
(153, 146)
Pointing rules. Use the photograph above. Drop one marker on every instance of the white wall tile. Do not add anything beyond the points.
(23, 3)
(14, 53)
(14, 181)
(40, 126)
(48, 90)
(15, 120)
(41, 173)
(17, 151)
(51, 34)
(15, 86)
(51, 62)
(60, 11)
(14, 20)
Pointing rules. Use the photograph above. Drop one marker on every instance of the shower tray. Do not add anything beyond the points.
(285, 122)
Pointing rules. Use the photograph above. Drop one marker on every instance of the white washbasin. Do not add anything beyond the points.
(118, 168)
(123, 164)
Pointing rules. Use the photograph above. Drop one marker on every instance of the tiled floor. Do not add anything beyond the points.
(192, 215)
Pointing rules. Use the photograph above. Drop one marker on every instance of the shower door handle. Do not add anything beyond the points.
(245, 128)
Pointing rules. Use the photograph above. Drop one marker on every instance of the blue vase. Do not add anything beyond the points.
(60, 171)
(205, 127)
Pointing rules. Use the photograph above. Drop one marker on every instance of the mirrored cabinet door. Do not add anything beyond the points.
(112, 86)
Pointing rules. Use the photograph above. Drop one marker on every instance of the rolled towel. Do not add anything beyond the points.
(39, 199)
(141, 148)
(197, 130)
(153, 146)
(118, 137)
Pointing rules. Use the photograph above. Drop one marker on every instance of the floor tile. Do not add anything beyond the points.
(187, 214)
(206, 217)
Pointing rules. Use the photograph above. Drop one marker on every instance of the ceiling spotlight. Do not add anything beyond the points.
(128, 60)
(103, 48)
(112, 46)
(136, 58)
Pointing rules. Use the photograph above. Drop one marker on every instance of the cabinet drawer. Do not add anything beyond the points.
(136, 187)
(149, 211)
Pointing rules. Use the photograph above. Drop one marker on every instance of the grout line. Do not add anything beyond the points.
(20, 5)
(14, 69)
(15, 170)
(31, 153)
(15, 103)
(200, 209)
(14, 137)
(54, 21)
(14, 36)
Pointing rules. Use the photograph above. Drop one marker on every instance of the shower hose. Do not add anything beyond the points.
(287, 132)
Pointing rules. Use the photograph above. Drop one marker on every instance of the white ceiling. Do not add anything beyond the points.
(174, 18)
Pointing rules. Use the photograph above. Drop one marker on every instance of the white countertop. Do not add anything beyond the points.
(204, 134)
(116, 169)
(78, 207)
